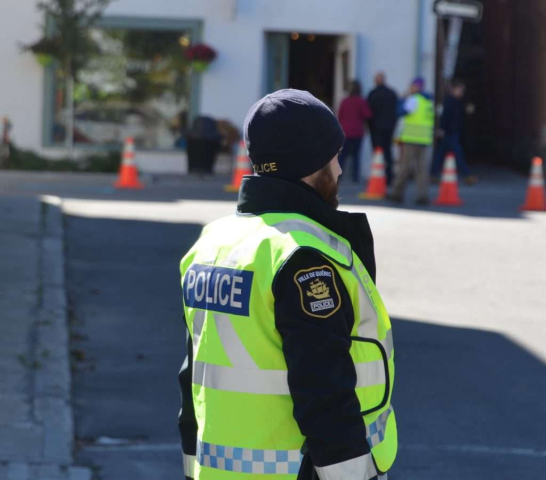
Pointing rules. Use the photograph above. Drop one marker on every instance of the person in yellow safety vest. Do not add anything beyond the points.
(416, 138)
(290, 359)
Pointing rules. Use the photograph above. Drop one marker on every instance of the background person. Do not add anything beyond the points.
(354, 112)
(417, 109)
(451, 123)
(383, 102)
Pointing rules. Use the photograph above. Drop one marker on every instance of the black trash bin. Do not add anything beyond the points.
(203, 144)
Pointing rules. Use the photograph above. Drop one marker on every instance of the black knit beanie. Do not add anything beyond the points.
(291, 134)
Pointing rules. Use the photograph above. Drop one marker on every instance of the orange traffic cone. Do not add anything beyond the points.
(128, 173)
(535, 191)
(377, 185)
(242, 167)
(449, 190)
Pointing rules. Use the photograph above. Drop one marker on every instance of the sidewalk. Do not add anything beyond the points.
(36, 424)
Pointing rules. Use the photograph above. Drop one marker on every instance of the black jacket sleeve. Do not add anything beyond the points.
(187, 424)
(316, 343)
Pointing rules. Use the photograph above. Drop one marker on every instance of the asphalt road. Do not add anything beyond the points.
(128, 343)
(465, 286)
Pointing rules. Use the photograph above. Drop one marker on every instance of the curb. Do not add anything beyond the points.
(50, 435)
(52, 382)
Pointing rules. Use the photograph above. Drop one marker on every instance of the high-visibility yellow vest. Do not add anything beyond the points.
(242, 402)
(419, 125)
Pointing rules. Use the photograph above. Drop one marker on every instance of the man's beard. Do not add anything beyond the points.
(327, 187)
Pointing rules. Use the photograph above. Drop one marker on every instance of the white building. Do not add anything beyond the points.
(263, 45)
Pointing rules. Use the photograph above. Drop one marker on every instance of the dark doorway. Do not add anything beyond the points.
(500, 60)
(311, 64)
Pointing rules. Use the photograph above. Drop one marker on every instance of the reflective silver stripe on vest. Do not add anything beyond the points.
(235, 350)
(388, 344)
(360, 468)
(248, 460)
(198, 322)
(375, 432)
(189, 465)
(269, 382)
(244, 376)
(288, 226)
(237, 253)
(370, 374)
(367, 327)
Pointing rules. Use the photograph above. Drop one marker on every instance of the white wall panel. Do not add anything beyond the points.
(386, 31)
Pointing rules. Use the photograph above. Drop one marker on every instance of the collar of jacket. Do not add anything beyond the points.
(259, 195)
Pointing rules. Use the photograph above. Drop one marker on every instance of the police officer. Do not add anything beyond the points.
(290, 358)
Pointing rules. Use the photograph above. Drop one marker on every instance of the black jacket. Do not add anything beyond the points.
(452, 115)
(321, 374)
(384, 104)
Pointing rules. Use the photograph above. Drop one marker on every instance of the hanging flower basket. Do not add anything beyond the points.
(45, 50)
(44, 59)
(200, 56)
(200, 66)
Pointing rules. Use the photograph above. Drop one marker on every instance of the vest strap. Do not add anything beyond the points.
(247, 460)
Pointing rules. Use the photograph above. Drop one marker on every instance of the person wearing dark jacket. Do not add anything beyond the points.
(450, 130)
(383, 102)
(290, 366)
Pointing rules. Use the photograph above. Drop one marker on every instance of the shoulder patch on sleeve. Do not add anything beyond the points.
(319, 294)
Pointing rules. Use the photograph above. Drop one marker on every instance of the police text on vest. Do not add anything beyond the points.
(218, 289)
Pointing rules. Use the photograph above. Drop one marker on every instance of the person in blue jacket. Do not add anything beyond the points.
(450, 132)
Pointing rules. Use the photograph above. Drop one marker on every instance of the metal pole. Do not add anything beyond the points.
(5, 143)
(452, 48)
(439, 87)
(420, 38)
(234, 9)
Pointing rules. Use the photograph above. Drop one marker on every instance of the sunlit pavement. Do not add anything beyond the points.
(466, 287)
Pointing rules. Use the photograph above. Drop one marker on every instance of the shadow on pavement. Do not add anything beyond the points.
(127, 343)
(470, 403)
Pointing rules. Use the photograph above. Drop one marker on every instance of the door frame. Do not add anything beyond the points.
(277, 42)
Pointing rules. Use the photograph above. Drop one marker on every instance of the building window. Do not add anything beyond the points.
(136, 84)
